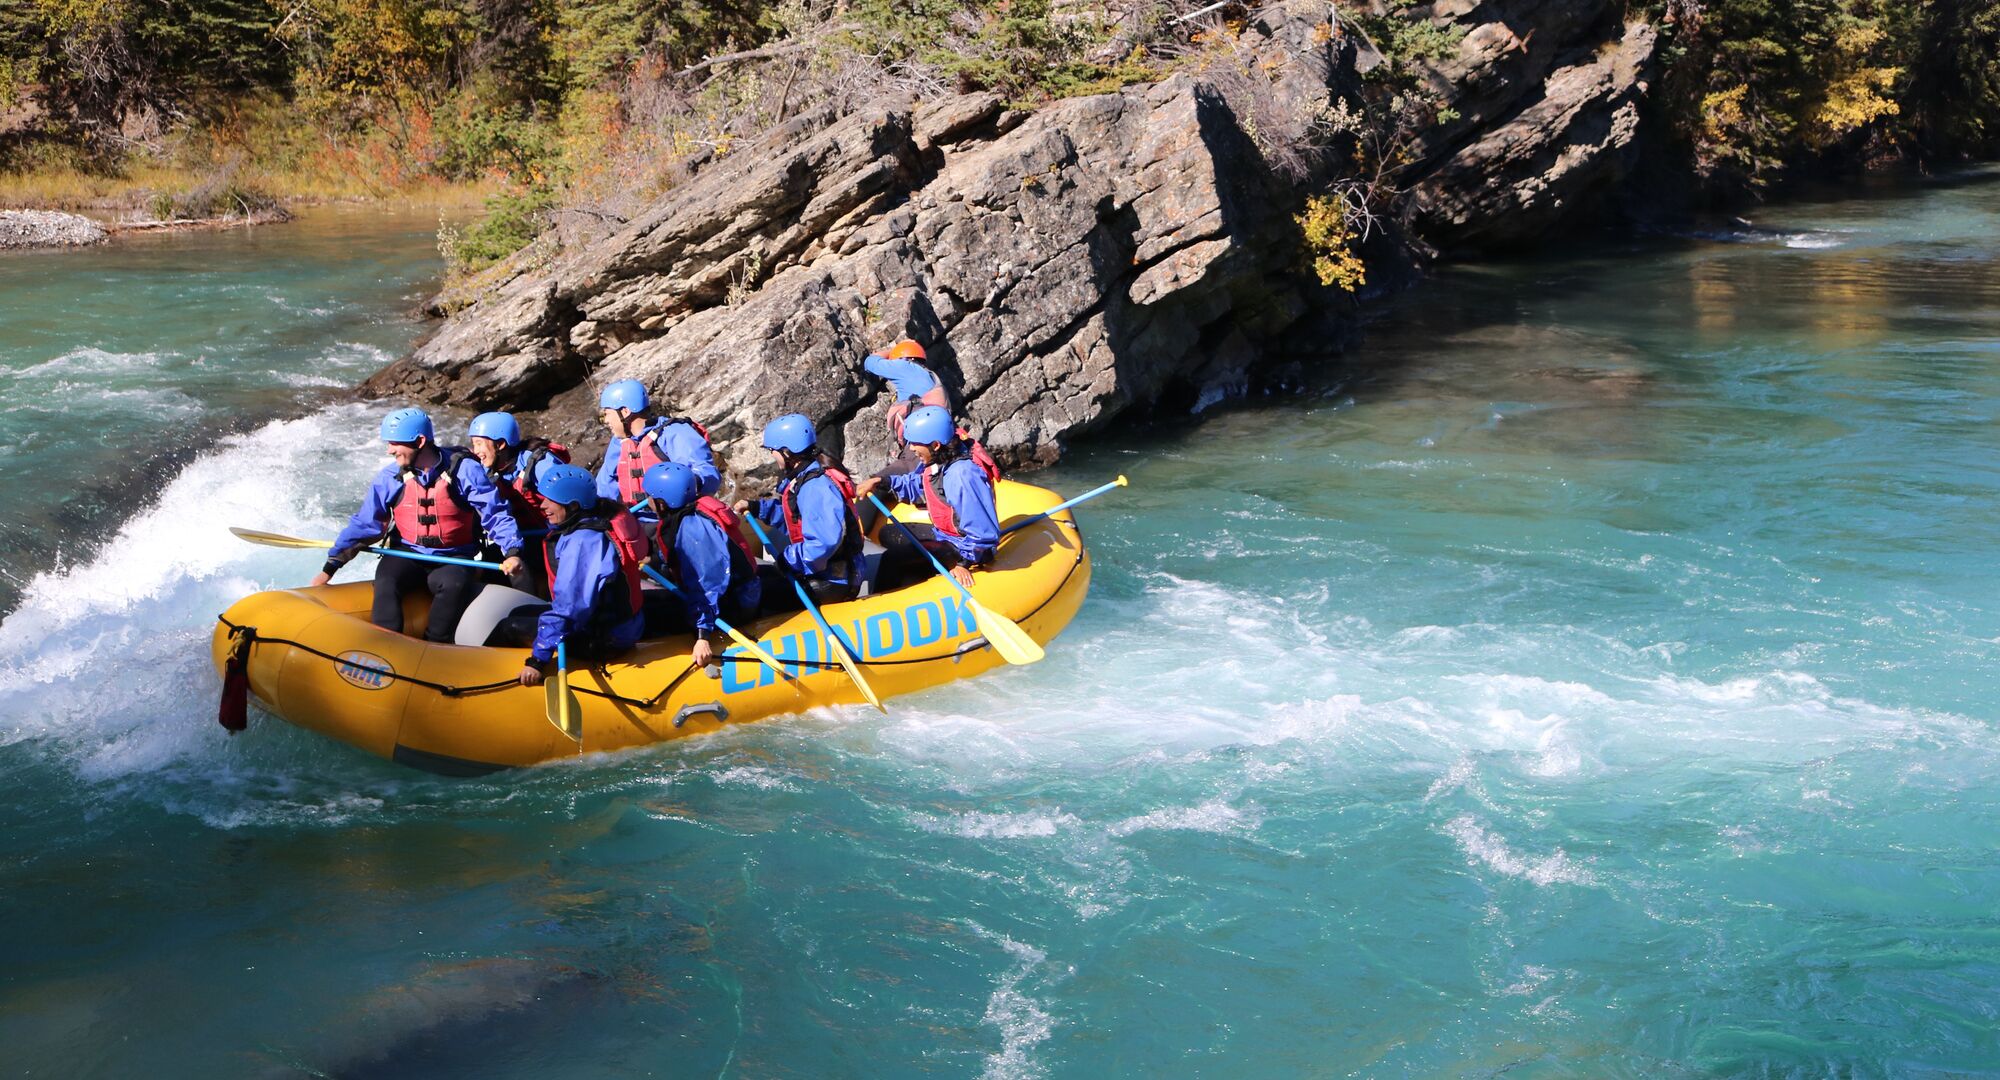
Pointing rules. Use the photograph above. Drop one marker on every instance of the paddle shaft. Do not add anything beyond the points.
(942, 572)
(421, 557)
(562, 682)
(720, 622)
(1003, 634)
(805, 597)
(1060, 507)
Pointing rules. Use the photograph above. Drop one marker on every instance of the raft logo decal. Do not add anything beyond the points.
(874, 637)
(364, 669)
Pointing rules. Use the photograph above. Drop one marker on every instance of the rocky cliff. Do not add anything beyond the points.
(1065, 265)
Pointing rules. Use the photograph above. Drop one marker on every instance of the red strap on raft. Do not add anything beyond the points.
(233, 713)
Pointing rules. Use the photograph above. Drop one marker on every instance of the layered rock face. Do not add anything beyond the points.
(1062, 266)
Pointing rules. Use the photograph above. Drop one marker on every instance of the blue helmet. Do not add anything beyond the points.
(930, 424)
(407, 425)
(498, 426)
(568, 485)
(792, 432)
(672, 483)
(624, 394)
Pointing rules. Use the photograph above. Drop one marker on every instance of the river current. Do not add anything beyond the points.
(1594, 680)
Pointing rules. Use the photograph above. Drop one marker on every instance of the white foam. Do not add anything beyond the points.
(258, 481)
(158, 406)
(1020, 1019)
(1456, 777)
(1483, 848)
(90, 361)
(752, 776)
(1214, 816)
(309, 381)
(1001, 826)
(108, 659)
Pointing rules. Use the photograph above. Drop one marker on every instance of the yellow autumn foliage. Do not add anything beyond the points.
(1858, 93)
(1330, 241)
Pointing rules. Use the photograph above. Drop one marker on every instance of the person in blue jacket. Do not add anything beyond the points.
(700, 545)
(639, 442)
(912, 385)
(433, 500)
(955, 490)
(516, 465)
(594, 550)
(814, 506)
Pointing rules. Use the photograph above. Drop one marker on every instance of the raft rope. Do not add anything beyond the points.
(244, 636)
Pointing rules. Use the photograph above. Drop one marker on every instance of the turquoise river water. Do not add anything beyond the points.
(1597, 681)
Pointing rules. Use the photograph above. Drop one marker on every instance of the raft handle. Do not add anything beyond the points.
(974, 643)
(681, 717)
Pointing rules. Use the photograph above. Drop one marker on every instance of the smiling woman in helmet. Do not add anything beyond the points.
(955, 488)
(516, 465)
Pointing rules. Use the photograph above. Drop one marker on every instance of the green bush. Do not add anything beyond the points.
(512, 221)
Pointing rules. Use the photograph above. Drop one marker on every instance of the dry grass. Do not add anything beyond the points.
(140, 183)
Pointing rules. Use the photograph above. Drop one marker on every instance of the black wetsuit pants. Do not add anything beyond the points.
(517, 631)
(903, 562)
(452, 589)
(779, 596)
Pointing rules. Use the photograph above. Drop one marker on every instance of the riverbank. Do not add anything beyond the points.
(145, 195)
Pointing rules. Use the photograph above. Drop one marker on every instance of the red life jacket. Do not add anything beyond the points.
(435, 516)
(943, 518)
(627, 537)
(715, 510)
(794, 524)
(520, 490)
(901, 410)
(850, 539)
(977, 451)
(635, 456)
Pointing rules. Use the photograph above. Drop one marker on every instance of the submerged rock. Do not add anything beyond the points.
(1064, 266)
(47, 228)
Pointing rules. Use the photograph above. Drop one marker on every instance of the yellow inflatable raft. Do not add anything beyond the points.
(315, 660)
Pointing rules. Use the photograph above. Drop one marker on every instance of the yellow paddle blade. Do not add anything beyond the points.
(1007, 638)
(279, 539)
(846, 661)
(564, 711)
(757, 651)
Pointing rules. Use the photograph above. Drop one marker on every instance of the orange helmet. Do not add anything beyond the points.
(906, 350)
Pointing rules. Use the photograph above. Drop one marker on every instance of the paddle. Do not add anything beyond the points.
(749, 646)
(1009, 640)
(753, 648)
(1061, 506)
(835, 644)
(283, 541)
(562, 705)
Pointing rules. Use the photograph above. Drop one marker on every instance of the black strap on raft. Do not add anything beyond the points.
(244, 637)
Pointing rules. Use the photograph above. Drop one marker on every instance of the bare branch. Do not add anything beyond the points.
(783, 48)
